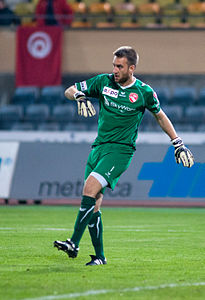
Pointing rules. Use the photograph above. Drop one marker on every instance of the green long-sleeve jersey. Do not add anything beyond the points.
(121, 108)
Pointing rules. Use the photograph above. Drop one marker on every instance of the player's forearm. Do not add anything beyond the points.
(70, 92)
(166, 124)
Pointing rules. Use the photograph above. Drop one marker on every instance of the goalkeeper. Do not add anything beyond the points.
(122, 100)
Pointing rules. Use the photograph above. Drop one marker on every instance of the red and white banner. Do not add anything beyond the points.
(38, 60)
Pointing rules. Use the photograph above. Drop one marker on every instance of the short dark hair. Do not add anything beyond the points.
(129, 53)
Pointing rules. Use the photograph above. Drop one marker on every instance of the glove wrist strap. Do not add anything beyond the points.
(177, 142)
(79, 95)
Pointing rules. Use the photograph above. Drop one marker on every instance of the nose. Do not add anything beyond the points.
(115, 69)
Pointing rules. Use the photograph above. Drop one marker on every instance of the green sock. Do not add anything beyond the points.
(96, 232)
(84, 215)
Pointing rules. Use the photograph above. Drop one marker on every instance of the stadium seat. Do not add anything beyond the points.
(48, 126)
(184, 95)
(148, 8)
(148, 119)
(184, 127)
(75, 127)
(25, 95)
(64, 114)
(22, 126)
(181, 22)
(78, 7)
(101, 7)
(10, 114)
(174, 8)
(201, 98)
(52, 95)
(195, 115)
(93, 127)
(108, 23)
(125, 7)
(163, 94)
(133, 23)
(37, 113)
(200, 25)
(201, 128)
(84, 23)
(151, 128)
(26, 11)
(196, 7)
(174, 112)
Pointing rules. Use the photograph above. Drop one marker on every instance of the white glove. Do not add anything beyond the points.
(182, 153)
(85, 107)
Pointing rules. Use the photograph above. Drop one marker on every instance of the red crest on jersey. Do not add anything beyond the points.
(155, 95)
(133, 97)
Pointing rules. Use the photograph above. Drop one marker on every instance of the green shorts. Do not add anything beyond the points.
(110, 161)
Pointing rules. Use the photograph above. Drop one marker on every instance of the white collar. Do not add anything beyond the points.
(128, 86)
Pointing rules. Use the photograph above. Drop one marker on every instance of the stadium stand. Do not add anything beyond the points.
(201, 98)
(127, 7)
(164, 94)
(10, 114)
(184, 95)
(63, 114)
(195, 115)
(101, 7)
(52, 95)
(25, 95)
(52, 126)
(36, 114)
(166, 13)
(184, 105)
(184, 127)
(79, 7)
(131, 23)
(151, 7)
(82, 23)
(22, 126)
(75, 127)
(174, 112)
(26, 12)
(108, 23)
(197, 7)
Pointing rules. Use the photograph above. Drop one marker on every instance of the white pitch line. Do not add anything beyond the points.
(128, 229)
(100, 292)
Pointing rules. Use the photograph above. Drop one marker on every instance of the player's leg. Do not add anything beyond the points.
(95, 227)
(91, 188)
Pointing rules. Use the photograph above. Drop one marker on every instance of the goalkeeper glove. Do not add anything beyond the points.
(182, 153)
(85, 107)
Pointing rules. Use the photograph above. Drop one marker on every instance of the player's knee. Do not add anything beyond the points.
(88, 190)
(92, 187)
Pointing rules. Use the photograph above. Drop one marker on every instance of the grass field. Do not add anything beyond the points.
(152, 254)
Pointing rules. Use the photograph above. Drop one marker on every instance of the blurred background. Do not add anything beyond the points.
(169, 36)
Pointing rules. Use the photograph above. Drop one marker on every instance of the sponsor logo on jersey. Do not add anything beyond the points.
(106, 102)
(110, 92)
(122, 94)
(133, 97)
(122, 108)
(83, 86)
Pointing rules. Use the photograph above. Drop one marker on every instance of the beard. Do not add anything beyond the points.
(123, 79)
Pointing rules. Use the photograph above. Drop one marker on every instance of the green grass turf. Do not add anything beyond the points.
(145, 247)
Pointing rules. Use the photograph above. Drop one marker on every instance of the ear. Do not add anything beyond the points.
(132, 68)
